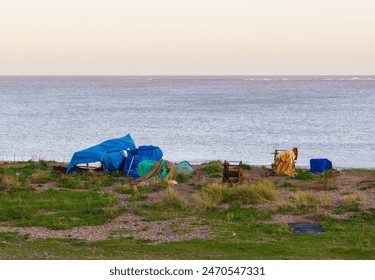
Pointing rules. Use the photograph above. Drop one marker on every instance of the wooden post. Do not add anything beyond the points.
(240, 173)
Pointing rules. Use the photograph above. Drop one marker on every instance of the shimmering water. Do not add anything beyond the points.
(192, 118)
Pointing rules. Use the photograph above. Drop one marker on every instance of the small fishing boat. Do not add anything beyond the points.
(90, 165)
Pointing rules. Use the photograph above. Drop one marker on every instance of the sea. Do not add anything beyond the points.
(193, 118)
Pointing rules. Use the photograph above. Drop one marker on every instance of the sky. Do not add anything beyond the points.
(187, 37)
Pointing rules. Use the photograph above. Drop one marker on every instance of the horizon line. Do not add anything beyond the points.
(180, 75)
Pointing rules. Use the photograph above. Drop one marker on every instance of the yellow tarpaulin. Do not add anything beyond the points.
(284, 163)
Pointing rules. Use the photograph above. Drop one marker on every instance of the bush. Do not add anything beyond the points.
(182, 178)
(325, 178)
(304, 175)
(213, 167)
(215, 175)
(247, 167)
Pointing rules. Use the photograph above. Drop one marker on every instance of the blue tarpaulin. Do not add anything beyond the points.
(141, 154)
(109, 153)
(319, 165)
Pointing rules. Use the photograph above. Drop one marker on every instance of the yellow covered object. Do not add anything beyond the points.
(284, 163)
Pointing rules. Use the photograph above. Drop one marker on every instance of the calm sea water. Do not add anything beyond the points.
(191, 118)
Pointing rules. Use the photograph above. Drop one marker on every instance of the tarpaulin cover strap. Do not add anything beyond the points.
(319, 165)
(109, 153)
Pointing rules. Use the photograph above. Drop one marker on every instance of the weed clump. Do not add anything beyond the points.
(290, 186)
(351, 199)
(8, 182)
(246, 167)
(213, 167)
(253, 193)
(210, 196)
(39, 177)
(182, 178)
(173, 200)
(325, 178)
(304, 175)
(215, 175)
(300, 203)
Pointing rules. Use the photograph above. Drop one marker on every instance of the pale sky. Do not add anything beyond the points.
(187, 37)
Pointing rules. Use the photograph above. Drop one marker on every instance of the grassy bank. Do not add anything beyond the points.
(45, 215)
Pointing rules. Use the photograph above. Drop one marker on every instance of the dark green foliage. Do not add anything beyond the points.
(213, 167)
(247, 167)
(215, 175)
(182, 178)
(329, 174)
(304, 175)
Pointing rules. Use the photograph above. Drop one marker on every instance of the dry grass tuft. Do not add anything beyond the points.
(300, 203)
(39, 177)
(210, 196)
(172, 199)
(213, 195)
(351, 199)
(253, 193)
(8, 182)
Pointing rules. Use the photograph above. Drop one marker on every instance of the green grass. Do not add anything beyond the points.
(86, 180)
(56, 209)
(24, 173)
(289, 186)
(215, 175)
(238, 233)
(128, 189)
(359, 170)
